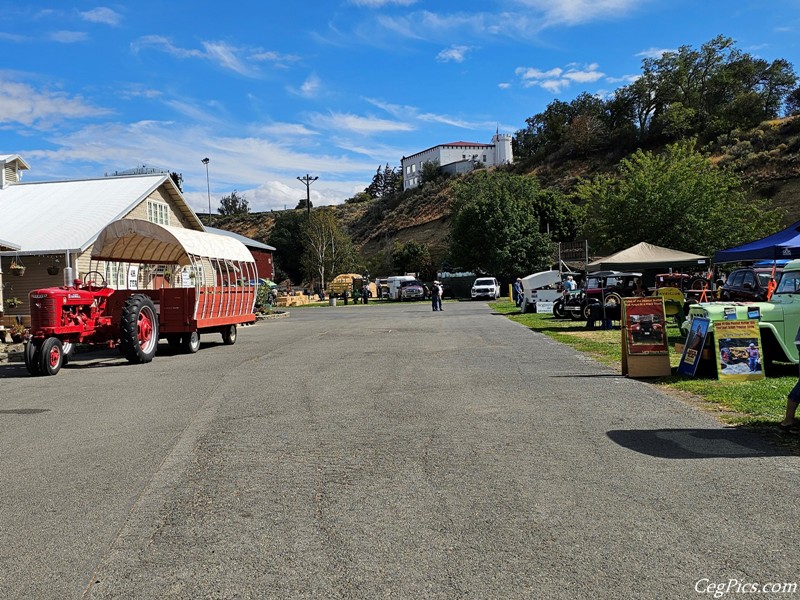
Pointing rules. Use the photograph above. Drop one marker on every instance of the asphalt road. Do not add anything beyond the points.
(379, 451)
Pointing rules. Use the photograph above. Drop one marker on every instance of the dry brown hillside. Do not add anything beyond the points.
(768, 158)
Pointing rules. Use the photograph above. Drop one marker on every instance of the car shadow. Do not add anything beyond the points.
(729, 442)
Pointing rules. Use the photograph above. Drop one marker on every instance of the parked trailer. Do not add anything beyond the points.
(145, 282)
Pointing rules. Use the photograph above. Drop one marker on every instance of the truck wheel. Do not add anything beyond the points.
(32, 356)
(190, 342)
(559, 312)
(138, 330)
(51, 356)
(229, 335)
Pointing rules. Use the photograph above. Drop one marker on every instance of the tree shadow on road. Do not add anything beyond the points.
(731, 442)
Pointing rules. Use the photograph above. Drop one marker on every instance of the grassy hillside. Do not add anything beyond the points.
(768, 158)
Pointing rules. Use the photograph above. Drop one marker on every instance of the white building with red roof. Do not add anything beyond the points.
(457, 157)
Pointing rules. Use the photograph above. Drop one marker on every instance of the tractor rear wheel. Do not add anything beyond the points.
(32, 356)
(138, 330)
(229, 335)
(51, 356)
(190, 342)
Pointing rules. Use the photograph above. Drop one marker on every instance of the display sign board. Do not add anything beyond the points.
(646, 325)
(738, 345)
(544, 307)
(133, 277)
(693, 349)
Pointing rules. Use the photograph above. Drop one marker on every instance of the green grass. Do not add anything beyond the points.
(759, 402)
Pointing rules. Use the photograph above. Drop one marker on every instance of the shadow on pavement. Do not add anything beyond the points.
(699, 443)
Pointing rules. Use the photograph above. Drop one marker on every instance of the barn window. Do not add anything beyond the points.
(158, 212)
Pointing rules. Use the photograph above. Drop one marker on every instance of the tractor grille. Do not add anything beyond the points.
(45, 313)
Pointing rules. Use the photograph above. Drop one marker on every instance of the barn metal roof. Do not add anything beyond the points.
(57, 216)
(136, 240)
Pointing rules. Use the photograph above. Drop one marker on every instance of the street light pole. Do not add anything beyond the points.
(308, 180)
(205, 161)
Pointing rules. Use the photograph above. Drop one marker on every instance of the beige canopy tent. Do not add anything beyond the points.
(648, 256)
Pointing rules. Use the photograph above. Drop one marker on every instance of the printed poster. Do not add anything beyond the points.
(646, 325)
(693, 348)
(738, 345)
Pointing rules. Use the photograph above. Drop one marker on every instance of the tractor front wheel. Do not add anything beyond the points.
(32, 355)
(138, 331)
(51, 356)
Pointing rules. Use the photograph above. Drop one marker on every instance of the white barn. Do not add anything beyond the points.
(457, 157)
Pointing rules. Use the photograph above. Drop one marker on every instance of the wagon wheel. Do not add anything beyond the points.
(190, 342)
(586, 313)
(614, 299)
(51, 356)
(698, 284)
(558, 309)
(229, 335)
(32, 357)
(92, 282)
(138, 330)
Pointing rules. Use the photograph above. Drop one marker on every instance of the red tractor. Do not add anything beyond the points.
(201, 283)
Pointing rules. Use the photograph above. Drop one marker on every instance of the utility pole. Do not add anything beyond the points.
(205, 161)
(308, 180)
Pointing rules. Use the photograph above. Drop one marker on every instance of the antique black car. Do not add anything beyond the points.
(601, 287)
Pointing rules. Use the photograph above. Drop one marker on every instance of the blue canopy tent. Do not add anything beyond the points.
(782, 245)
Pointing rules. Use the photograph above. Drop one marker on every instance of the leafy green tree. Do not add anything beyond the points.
(329, 251)
(287, 238)
(677, 199)
(430, 171)
(304, 203)
(234, 204)
(500, 222)
(412, 257)
(793, 103)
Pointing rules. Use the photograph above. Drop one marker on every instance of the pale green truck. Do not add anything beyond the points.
(779, 318)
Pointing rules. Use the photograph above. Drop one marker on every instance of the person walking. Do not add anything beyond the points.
(436, 296)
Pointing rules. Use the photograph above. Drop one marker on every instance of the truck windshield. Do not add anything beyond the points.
(790, 283)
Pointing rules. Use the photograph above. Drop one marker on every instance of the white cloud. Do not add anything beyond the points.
(504, 85)
(102, 14)
(654, 52)
(310, 86)
(68, 37)
(13, 37)
(573, 12)
(287, 130)
(220, 53)
(21, 103)
(453, 53)
(357, 124)
(557, 79)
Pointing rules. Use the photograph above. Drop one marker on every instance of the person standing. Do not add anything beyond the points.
(517, 292)
(569, 284)
(752, 357)
(436, 296)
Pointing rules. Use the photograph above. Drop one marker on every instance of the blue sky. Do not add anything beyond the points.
(271, 90)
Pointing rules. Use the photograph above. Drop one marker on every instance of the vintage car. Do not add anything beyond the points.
(601, 287)
(749, 284)
(779, 319)
(646, 329)
(692, 286)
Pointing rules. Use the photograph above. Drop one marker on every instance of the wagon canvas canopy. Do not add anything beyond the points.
(644, 256)
(136, 240)
(782, 245)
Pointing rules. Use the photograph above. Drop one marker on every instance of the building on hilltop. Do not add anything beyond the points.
(457, 157)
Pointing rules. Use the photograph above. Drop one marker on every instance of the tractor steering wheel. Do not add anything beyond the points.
(91, 282)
